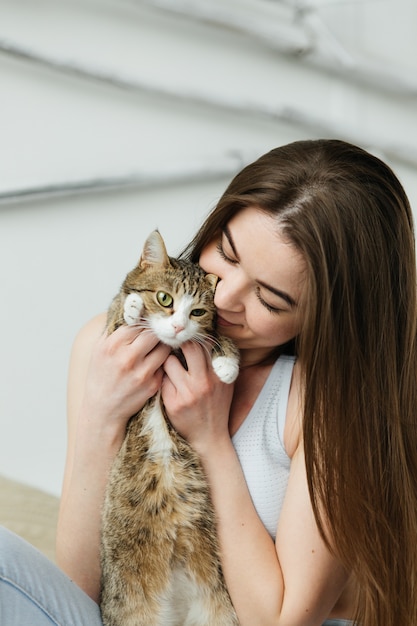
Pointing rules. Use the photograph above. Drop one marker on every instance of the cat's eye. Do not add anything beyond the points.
(164, 299)
(198, 312)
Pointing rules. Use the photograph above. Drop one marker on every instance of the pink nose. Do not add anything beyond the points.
(178, 328)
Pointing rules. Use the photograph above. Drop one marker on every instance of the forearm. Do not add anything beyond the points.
(78, 532)
(296, 582)
(110, 378)
(249, 559)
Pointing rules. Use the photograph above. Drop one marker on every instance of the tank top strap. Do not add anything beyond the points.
(286, 365)
(259, 444)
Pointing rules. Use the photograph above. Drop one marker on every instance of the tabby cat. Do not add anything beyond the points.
(159, 548)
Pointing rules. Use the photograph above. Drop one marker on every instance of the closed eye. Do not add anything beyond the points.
(269, 307)
(223, 255)
(232, 257)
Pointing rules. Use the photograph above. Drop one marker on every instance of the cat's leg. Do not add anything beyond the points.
(192, 602)
(136, 585)
(132, 308)
(138, 526)
(209, 603)
(225, 359)
(226, 368)
(210, 608)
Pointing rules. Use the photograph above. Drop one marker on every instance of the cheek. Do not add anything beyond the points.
(263, 325)
(273, 330)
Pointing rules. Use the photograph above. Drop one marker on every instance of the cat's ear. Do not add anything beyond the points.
(212, 280)
(154, 251)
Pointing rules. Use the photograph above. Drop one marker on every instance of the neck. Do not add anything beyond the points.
(252, 358)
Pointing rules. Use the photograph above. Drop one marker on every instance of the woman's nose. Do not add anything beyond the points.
(230, 294)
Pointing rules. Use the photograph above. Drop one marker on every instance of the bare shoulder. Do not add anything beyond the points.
(293, 420)
(82, 349)
(90, 332)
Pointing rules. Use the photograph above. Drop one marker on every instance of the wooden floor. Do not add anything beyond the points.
(30, 513)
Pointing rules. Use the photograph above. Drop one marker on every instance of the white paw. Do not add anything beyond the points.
(226, 368)
(132, 308)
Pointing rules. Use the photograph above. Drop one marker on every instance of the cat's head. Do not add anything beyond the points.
(177, 294)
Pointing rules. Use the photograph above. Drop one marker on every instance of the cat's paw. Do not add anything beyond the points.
(226, 368)
(132, 308)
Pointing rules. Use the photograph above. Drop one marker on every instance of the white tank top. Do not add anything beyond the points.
(259, 444)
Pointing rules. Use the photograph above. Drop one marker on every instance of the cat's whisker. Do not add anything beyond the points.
(142, 324)
(203, 338)
(203, 343)
(213, 341)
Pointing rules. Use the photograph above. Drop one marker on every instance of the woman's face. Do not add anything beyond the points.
(261, 279)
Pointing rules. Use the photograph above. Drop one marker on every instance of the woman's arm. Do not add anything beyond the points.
(297, 581)
(293, 583)
(110, 378)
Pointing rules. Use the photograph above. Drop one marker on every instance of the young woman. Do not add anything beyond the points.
(312, 456)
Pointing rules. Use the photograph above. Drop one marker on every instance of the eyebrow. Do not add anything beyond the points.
(277, 292)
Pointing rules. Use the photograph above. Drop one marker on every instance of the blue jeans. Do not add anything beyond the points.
(33, 591)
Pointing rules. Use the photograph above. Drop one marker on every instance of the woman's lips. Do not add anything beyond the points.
(222, 322)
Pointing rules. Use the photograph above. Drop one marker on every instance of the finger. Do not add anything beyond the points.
(167, 386)
(173, 368)
(157, 356)
(169, 391)
(198, 357)
(143, 339)
(125, 334)
(148, 342)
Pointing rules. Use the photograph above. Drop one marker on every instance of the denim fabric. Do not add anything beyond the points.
(33, 591)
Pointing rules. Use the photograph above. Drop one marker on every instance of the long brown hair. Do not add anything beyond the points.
(347, 213)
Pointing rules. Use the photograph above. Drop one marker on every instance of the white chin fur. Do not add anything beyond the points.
(167, 334)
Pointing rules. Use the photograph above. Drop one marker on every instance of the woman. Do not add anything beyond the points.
(314, 247)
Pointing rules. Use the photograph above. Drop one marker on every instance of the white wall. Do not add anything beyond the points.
(152, 112)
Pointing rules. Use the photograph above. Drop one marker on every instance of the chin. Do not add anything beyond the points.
(169, 341)
(173, 342)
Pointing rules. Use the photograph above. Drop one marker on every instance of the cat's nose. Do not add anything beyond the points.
(178, 327)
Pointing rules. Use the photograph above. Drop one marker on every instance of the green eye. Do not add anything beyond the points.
(164, 299)
(198, 312)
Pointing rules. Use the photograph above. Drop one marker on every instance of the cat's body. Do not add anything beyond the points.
(160, 555)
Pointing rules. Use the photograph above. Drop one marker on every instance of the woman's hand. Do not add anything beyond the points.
(125, 370)
(196, 401)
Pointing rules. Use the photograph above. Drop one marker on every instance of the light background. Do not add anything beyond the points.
(119, 116)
